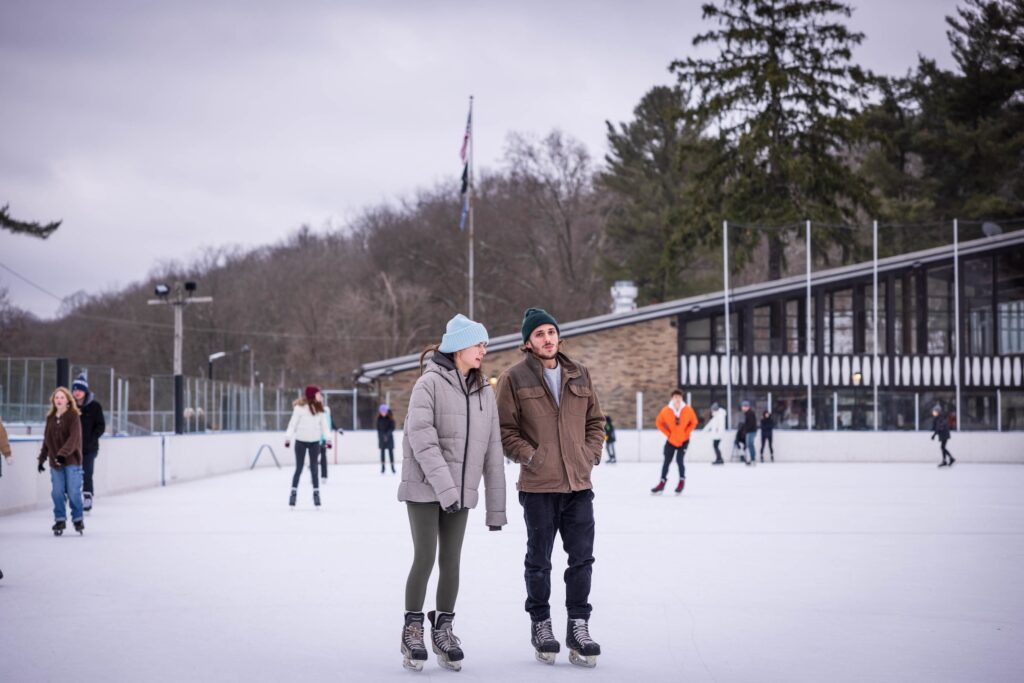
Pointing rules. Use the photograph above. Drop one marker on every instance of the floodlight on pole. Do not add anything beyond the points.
(209, 366)
(179, 301)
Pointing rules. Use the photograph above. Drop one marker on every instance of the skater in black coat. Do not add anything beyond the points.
(940, 428)
(386, 435)
(93, 426)
(767, 425)
(747, 431)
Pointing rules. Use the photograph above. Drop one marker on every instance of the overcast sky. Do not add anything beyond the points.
(153, 129)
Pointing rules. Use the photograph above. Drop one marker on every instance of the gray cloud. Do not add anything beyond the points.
(154, 129)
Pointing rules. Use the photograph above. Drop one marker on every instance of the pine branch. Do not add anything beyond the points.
(25, 227)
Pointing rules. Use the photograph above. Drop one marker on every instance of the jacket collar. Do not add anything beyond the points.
(442, 365)
(569, 368)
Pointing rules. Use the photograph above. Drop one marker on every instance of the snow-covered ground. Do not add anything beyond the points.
(785, 572)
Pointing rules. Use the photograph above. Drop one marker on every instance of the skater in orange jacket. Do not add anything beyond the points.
(676, 421)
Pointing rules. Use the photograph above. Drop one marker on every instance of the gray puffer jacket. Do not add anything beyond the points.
(451, 440)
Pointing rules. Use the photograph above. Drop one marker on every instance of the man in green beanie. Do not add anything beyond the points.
(552, 425)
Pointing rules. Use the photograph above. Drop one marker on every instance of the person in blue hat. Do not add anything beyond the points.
(450, 445)
(93, 426)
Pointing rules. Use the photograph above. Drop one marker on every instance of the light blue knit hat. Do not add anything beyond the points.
(462, 333)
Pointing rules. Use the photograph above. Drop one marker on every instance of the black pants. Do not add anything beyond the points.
(300, 456)
(718, 451)
(677, 452)
(88, 467)
(610, 445)
(323, 461)
(571, 515)
(945, 451)
(767, 439)
(391, 452)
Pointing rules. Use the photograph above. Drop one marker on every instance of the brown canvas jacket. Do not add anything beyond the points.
(63, 437)
(556, 446)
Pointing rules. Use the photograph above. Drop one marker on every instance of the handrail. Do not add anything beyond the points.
(260, 452)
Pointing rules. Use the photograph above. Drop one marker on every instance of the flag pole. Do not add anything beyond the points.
(471, 236)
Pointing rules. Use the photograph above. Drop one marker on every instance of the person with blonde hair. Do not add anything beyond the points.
(62, 448)
(451, 441)
(308, 427)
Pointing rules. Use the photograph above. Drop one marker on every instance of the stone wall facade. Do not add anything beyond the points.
(622, 361)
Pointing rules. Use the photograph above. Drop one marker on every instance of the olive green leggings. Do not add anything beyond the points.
(432, 527)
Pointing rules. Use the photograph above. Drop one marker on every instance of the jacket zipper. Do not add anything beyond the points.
(465, 453)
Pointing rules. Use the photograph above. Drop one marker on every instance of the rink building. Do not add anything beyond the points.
(836, 371)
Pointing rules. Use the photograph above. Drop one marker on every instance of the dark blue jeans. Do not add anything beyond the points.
(677, 452)
(571, 515)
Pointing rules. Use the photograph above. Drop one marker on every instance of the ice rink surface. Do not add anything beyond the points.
(784, 572)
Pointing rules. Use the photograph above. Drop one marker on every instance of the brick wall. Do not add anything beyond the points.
(621, 360)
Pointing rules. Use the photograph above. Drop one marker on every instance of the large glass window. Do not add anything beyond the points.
(980, 335)
(904, 320)
(940, 310)
(795, 326)
(869, 319)
(838, 322)
(763, 329)
(734, 331)
(697, 335)
(1010, 301)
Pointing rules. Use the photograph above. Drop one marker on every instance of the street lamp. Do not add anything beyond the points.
(213, 357)
(179, 300)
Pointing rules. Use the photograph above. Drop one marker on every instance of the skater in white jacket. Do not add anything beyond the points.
(308, 427)
(716, 427)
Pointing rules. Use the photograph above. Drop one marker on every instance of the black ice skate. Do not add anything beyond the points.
(659, 488)
(316, 497)
(543, 640)
(680, 486)
(79, 526)
(87, 502)
(951, 461)
(291, 498)
(445, 643)
(58, 527)
(583, 651)
(413, 647)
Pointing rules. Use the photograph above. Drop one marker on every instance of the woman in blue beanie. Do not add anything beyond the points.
(451, 441)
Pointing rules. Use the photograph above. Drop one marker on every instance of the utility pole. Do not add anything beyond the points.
(182, 296)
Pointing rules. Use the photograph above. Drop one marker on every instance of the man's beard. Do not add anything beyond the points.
(540, 353)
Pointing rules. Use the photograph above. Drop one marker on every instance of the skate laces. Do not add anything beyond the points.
(543, 631)
(581, 631)
(414, 634)
(444, 637)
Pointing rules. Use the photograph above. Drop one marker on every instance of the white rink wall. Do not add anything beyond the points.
(133, 463)
(828, 446)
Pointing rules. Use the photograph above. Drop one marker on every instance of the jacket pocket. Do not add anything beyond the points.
(534, 401)
(537, 461)
(579, 399)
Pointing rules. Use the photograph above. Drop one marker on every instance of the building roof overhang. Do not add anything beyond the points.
(369, 372)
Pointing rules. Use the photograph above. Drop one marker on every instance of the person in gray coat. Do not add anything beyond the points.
(451, 441)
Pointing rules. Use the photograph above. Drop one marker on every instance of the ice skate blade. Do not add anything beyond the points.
(582, 660)
(546, 657)
(412, 664)
(448, 664)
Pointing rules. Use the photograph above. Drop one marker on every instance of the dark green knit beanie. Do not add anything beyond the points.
(534, 318)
